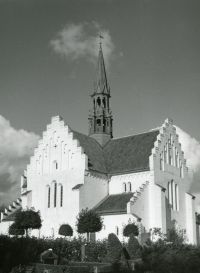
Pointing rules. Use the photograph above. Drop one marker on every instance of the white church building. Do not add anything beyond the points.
(141, 178)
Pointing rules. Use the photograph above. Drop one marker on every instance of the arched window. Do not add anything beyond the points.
(161, 161)
(124, 187)
(176, 157)
(55, 165)
(165, 154)
(129, 186)
(98, 101)
(55, 194)
(170, 193)
(61, 195)
(169, 152)
(98, 122)
(173, 195)
(48, 196)
(104, 102)
(177, 197)
(104, 125)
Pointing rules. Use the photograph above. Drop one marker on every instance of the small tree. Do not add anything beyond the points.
(130, 229)
(27, 219)
(88, 221)
(13, 230)
(65, 230)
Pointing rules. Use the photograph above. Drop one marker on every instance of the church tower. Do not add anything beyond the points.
(100, 117)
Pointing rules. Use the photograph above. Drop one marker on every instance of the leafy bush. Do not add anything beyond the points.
(88, 221)
(176, 236)
(96, 251)
(65, 230)
(130, 229)
(134, 248)
(13, 230)
(165, 258)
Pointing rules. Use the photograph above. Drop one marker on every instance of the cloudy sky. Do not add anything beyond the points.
(48, 51)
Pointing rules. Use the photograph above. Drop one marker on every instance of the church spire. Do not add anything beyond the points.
(100, 118)
(101, 83)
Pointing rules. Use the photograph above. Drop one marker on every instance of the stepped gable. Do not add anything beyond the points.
(129, 153)
(11, 216)
(121, 155)
(114, 203)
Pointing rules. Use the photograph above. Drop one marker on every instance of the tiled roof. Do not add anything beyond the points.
(93, 150)
(127, 154)
(114, 203)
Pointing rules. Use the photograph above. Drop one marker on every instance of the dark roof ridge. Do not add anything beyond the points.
(154, 130)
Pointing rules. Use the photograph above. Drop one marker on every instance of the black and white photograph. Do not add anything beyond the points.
(99, 136)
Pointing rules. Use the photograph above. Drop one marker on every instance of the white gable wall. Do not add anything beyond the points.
(58, 159)
(171, 183)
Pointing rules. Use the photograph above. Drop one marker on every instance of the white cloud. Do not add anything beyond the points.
(191, 148)
(16, 147)
(81, 41)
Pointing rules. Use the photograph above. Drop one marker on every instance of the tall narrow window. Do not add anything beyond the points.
(169, 193)
(176, 157)
(124, 187)
(177, 197)
(104, 125)
(165, 154)
(61, 195)
(181, 169)
(104, 102)
(55, 165)
(117, 230)
(98, 101)
(169, 152)
(48, 196)
(161, 161)
(173, 196)
(129, 186)
(55, 194)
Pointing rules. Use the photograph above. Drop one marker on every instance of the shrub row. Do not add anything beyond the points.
(161, 257)
(15, 251)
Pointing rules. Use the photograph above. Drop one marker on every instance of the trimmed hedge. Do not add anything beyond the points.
(65, 230)
(130, 229)
(25, 250)
(114, 248)
(134, 248)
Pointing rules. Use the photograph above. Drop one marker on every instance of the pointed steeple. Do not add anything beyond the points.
(100, 118)
(101, 83)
